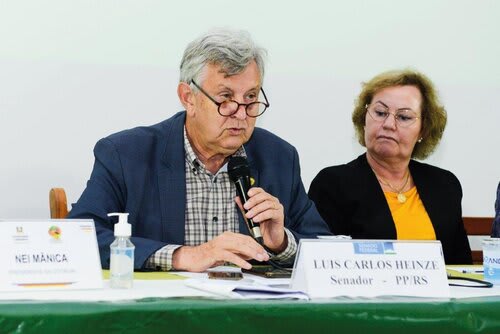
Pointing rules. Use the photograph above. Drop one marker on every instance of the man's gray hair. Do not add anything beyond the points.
(232, 50)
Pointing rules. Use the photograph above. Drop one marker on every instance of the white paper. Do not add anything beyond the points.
(244, 289)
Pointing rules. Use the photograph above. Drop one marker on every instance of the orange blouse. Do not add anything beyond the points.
(411, 219)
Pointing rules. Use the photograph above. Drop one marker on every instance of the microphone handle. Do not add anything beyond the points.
(252, 226)
(242, 186)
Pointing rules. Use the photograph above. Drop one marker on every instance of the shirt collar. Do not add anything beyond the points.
(195, 162)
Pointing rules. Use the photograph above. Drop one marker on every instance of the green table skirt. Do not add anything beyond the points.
(474, 315)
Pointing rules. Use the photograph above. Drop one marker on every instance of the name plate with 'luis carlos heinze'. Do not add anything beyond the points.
(370, 268)
(49, 254)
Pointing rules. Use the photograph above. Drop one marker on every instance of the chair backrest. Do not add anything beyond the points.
(477, 229)
(58, 203)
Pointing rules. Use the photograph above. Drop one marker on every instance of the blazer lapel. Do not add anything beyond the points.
(429, 194)
(375, 202)
(172, 184)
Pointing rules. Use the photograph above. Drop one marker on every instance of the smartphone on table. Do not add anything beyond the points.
(269, 271)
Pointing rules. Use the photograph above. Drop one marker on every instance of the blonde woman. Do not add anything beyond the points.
(385, 193)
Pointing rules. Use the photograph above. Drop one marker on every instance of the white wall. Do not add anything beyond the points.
(74, 71)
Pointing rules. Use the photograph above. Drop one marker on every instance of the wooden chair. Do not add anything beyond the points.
(477, 228)
(58, 203)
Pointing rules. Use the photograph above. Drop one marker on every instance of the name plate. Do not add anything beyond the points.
(370, 268)
(49, 254)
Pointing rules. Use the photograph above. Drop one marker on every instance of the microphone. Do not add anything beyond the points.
(239, 173)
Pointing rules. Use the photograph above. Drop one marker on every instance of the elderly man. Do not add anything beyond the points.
(172, 177)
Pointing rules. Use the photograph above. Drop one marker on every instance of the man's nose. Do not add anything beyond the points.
(241, 112)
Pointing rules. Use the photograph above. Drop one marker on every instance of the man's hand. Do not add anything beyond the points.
(267, 210)
(227, 247)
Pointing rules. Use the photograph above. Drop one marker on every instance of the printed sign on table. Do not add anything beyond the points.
(370, 268)
(49, 254)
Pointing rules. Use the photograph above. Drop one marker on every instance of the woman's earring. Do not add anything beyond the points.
(420, 140)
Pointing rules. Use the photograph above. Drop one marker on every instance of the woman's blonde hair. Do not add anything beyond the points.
(433, 113)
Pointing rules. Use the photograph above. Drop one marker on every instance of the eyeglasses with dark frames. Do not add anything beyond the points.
(230, 107)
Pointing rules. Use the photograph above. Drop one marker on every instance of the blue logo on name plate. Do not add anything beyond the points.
(374, 248)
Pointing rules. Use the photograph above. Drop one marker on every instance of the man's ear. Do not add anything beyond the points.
(186, 97)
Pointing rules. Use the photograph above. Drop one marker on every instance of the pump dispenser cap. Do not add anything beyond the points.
(122, 228)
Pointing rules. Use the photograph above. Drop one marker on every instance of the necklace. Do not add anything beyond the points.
(401, 196)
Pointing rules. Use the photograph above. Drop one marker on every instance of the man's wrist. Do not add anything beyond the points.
(288, 253)
(282, 246)
(161, 259)
(177, 258)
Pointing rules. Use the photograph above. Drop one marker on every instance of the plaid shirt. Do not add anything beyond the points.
(210, 209)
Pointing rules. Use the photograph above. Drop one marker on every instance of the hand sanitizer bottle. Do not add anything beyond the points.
(122, 254)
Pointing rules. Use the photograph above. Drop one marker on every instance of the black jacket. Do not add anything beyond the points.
(351, 201)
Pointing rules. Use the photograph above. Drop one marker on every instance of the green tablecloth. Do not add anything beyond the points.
(471, 315)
